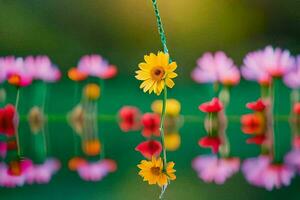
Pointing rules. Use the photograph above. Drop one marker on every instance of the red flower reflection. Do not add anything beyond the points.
(296, 108)
(259, 140)
(215, 105)
(251, 123)
(151, 124)
(129, 118)
(210, 142)
(7, 125)
(149, 148)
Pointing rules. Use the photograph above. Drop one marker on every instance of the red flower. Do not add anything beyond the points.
(151, 124)
(149, 148)
(215, 105)
(210, 142)
(259, 140)
(258, 105)
(129, 118)
(3, 149)
(296, 108)
(7, 125)
(251, 123)
(18, 167)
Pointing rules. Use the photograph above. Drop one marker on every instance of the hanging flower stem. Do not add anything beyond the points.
(162, 132)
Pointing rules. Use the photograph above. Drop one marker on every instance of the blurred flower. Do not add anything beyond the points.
(91, 147)
(262, 172)
(258, 105)
(36, 119)
(41, 68)
(42, 173)
(152, 171)
(3, 149)
(210, 168)
(151, 124)
(212, 142)
(155, 72)
(252, 123)
(149, 149)
(75, 75)
(172, 107)
(129, 118)
(296, 142)
(296, 108)
(215, 105)
(92, 91)
(292, 79)
(7, 120)
(293, 159)
(264, 64)
(76, 162)
(172, 141)
(18, 167)
(216, 67)
(76, 118)
(95, 65)
(97, 170)
(9, 181)
(15, 71)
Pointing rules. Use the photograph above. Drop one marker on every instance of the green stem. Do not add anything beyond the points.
(160, 27)
(162, 133)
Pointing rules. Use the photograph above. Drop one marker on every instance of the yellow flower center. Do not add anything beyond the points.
(157, 73)
(155, 171)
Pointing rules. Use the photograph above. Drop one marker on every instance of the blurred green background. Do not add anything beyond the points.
(123, 31)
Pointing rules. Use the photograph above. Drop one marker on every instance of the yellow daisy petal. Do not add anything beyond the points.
(169, 82)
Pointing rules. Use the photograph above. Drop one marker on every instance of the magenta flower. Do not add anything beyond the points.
(42, 173)
(292, 79)
(41, 68)
(95, 65)
(264, 64)
(10, 181)
(262, 172)
(210, 168)
(96, 171)
(216, 68)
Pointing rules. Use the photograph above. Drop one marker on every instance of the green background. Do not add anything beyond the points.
(123, 31)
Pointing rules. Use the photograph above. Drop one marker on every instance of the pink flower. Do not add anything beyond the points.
(210, 168)
(292, 79)
(41, 68)
(10, 181)
(264, 64)
(15, 72)
(262, 172)
(216, 68)
(42, 173)
(96, 171)
(95, 65)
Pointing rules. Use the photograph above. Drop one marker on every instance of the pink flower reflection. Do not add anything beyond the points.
(293, 159)
(10, 181)
(261, 172)
(42, 173)
(96, 171)
(210, 168)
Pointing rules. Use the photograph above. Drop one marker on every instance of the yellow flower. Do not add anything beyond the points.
(92, 91)
(173, 107)
(155, 72)
(172, 141)
(152, 171)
